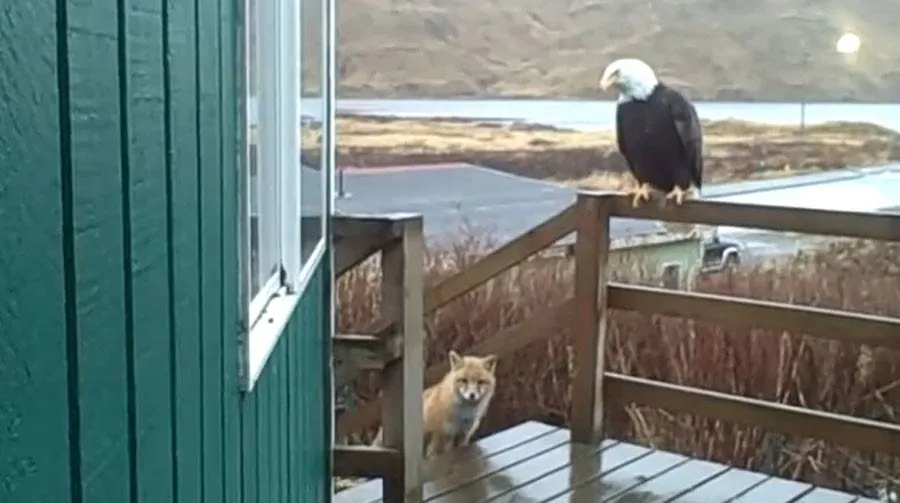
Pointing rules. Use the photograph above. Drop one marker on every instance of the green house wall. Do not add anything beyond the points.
(286, 436)
(650, 258)
(119, 270)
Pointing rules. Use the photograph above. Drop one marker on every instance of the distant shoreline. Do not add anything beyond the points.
(481, 121)
(594, 115)
(734, 149)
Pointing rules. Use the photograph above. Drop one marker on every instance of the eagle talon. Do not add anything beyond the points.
(635, 200)
(642, 192)
(678, 194)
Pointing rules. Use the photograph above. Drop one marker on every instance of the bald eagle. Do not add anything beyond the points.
(657, 130)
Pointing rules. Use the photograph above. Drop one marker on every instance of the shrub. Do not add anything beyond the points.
(779, 367)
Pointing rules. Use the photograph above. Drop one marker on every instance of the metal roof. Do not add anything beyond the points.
(456, 196)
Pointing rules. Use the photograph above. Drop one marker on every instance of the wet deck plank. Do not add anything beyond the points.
(535, 462)
(731, 484)
(508, 485)
(822, 495)
(615, 457)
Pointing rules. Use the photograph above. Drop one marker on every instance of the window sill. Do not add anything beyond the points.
(265, 333)
(269, 326)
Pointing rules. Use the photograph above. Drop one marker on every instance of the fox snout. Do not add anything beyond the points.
(472, 391)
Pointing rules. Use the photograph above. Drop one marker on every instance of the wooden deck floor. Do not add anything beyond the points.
(535, 462)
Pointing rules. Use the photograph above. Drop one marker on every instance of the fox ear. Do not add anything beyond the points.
(455, 359)
(490, 361)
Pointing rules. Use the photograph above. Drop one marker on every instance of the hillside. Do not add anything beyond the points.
(714, 49)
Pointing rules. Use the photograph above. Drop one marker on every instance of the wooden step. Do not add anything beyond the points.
(354, 353)
(366, 461)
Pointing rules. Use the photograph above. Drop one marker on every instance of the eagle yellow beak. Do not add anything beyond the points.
(608, 80)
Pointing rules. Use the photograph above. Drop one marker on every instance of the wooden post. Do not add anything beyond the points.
(589, 332)
(402, 264)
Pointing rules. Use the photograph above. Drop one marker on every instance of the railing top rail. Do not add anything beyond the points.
(852, 224)
(509, 255)
(354, 225)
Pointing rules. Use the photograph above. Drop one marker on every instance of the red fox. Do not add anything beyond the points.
(454, 407)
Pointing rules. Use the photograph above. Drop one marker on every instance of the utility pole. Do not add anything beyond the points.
(340, 182)
(805, 65)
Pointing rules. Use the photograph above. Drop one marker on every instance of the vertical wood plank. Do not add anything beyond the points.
(263, 443)
(100, 267)
(309, 471)
(307, 383)
(210, 218)
(275, 440)
(589, 331)
(230, 75)
(184, 249)
(249, 448)
(402, 291)
(320, 330)
(316, 474)
(122, 15)
(283, 420)
(290, 392)
(38, 409)
(147, 226)
(274, 425)
(303, 401)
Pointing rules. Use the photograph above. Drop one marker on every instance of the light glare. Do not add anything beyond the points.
(848, 43)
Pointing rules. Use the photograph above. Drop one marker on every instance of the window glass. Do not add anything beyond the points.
(312, 111)
(251, 135)
(262, 161)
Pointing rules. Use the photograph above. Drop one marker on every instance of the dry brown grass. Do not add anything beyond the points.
(780, 367)
(449, 135)
(735, 150)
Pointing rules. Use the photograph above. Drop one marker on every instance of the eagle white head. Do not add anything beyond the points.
(633, 78)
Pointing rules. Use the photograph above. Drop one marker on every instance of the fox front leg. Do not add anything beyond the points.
(458, 440)
(427, 445)
(438, 444)
(467, 439)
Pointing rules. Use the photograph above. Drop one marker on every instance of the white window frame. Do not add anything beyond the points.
(267, 313)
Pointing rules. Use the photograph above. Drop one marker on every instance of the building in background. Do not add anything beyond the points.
(872, 189)
(457, 199)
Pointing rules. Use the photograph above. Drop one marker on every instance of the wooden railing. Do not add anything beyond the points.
(595, 387)
(587, 311)
(397, 351)
(488, 267)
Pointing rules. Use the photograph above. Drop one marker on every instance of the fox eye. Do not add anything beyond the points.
(482, 382)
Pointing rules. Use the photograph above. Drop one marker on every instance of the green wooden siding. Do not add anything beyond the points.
(34, 440)
(119, 270)
(285, 434)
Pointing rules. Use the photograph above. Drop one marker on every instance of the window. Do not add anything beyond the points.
(286, 169)
(671, 276)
